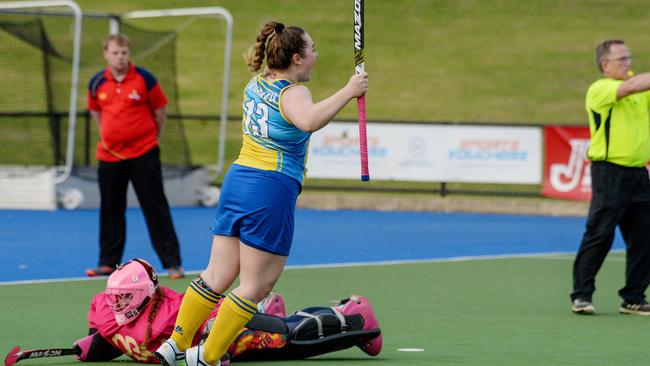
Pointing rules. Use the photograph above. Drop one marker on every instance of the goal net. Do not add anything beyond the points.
(36, 59)
(33, 116)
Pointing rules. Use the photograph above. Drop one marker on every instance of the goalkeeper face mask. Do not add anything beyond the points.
(130, 288)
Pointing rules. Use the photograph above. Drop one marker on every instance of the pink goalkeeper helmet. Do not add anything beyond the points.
(129, 289)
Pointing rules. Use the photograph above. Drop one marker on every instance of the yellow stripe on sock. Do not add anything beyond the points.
(195, 309)
(207, 294)
(243, 304)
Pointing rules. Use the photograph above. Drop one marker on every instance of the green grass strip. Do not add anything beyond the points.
(502, 311)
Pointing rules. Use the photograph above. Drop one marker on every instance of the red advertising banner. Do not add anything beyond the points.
(566, 168)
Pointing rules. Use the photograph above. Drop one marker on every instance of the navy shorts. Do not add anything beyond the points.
(258, 206)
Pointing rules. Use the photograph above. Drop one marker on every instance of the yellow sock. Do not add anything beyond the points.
(233, 315)
(198, 302)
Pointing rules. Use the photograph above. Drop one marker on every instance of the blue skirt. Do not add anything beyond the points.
(258, 206)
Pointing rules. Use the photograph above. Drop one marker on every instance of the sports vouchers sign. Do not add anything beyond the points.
(436, 153)
(567, 171)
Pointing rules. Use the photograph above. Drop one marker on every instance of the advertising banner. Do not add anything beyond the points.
(424, 152)
(566, 168)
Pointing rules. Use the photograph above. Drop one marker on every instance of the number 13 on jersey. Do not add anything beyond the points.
(256, 116)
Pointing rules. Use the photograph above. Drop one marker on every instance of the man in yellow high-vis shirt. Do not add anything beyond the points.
(618, 106)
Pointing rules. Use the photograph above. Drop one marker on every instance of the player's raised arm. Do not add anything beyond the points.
(308, 116)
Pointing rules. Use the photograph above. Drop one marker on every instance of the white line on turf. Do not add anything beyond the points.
(547, 255)
(75, 279)
(410, 349)
(431, 260)
(572, 256)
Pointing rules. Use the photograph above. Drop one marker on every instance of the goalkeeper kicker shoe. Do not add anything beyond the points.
(272, 304)
(169, 355)
(360, 305)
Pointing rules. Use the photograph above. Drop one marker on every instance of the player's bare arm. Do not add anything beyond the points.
(298, 106)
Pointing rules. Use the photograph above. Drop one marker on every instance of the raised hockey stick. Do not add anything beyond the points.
(16, 354)
(359, 60)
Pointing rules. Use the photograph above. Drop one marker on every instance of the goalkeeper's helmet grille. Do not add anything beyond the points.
(129, 289)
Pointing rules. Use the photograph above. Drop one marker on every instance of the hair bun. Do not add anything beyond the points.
(279, 27)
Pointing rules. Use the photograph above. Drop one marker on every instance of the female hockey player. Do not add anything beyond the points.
(135, 315)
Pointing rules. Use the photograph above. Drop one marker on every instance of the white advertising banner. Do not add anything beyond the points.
(424, 152)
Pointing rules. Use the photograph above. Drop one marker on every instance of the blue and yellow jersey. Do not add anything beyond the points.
(271, 142)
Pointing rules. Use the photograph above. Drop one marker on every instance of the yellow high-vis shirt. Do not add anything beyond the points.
(620, 129)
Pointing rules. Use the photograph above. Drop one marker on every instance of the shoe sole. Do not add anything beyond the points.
(161, 358)
(627, 311)
(589, 310)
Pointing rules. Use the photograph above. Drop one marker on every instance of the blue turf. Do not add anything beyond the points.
(61, 244)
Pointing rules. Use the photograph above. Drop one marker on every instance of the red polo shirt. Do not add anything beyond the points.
(127, 127)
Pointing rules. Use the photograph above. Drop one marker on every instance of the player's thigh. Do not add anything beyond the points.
(259, 272)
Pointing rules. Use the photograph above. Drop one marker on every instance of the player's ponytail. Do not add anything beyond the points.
(156, 300)
(277, 44)
(255, 55)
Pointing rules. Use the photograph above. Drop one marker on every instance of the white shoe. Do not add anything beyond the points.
(169, 355)
(194, 357)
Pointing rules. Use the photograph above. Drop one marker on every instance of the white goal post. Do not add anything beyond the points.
(33, 187)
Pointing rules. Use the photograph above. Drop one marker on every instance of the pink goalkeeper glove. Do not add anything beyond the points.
(83, 344)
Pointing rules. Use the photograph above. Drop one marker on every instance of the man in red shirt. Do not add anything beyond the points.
(128, 105)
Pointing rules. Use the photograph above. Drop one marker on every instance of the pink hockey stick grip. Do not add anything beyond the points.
(363, 138)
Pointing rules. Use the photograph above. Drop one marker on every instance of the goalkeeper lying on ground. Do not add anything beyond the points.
(135, 315)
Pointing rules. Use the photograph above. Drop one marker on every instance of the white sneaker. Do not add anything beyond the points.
(169, 355)
(194, 357)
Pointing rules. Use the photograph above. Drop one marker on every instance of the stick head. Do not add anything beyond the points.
(13, 356)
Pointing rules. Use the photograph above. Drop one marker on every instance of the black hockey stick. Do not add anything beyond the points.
(16, 354)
